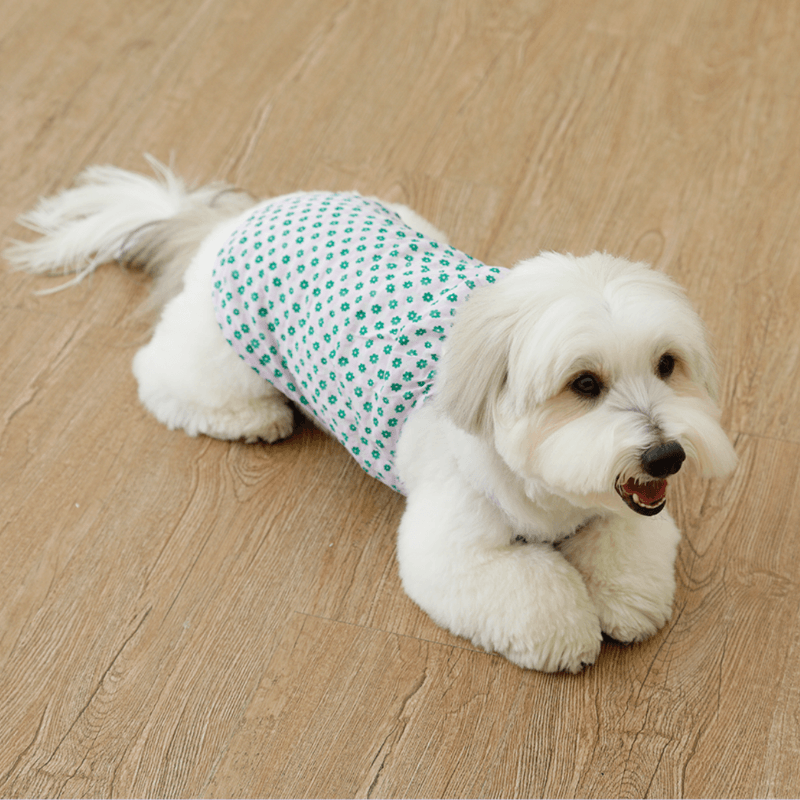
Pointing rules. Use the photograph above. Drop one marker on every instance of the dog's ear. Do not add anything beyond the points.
(476, 362)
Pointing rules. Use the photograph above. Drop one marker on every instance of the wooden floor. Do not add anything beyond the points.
(185, 617)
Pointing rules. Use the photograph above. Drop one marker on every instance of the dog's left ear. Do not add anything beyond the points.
(476, 361)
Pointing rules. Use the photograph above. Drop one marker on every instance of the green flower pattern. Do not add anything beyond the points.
(340, 305)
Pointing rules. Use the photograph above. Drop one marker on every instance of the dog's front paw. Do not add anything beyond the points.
(628, 567)
(633, 613)
(569, 647)
(522, 601)
(539, 616)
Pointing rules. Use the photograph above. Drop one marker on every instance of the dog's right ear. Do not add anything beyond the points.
(476, 362)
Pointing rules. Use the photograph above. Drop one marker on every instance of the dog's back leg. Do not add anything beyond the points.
(191, 378)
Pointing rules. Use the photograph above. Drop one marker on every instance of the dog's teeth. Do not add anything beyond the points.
(637, 500)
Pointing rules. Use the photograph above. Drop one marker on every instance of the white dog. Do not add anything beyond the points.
(535, 455)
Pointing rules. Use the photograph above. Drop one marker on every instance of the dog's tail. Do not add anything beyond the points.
(111, 214)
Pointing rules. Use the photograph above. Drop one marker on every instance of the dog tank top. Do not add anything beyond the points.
(340, 305)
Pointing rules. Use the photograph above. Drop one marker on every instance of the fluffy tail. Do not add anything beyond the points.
(115, 215)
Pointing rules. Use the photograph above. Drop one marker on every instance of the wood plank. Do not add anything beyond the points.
(330, 688)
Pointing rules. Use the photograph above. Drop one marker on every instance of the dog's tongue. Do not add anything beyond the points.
(650, 492)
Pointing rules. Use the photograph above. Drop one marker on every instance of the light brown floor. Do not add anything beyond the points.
(186, 617)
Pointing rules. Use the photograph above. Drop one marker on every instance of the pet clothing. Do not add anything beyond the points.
(343, 307)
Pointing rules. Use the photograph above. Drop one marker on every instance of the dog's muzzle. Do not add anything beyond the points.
(659, 462)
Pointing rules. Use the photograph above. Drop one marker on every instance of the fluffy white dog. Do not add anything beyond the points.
(535, 455)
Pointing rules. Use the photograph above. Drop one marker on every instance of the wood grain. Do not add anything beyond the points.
(186, 617)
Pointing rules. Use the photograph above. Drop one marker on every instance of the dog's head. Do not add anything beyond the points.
(591, 376)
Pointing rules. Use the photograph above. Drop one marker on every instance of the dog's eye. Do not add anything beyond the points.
(666, 366)
(587, 385)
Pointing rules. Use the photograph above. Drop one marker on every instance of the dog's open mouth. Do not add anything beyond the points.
(647, 497)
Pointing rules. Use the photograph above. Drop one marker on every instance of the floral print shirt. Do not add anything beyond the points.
(340, 305)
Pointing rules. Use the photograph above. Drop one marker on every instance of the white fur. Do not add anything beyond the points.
(514, 535)
(190, 378)
(87, 225)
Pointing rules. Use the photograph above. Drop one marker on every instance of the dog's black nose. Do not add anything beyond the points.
(663, 459)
